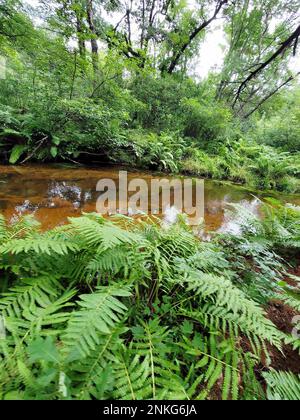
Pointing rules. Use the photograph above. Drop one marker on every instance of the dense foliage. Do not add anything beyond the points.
(78, 88)
(131, 310)
(125, 309)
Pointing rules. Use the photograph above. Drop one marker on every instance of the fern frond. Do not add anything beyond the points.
(229, 304)
(291, 301)
(282, 386)
(151, 343)
(38, 245)
(132, 377)
(3, 229)
(105, 235)
(93, 376)
(99, 313)
(42, 291)
(39, 316)
(218, 364)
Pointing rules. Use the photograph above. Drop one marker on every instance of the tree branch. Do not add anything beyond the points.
(291, 78)
(176, 57)
(293, 39)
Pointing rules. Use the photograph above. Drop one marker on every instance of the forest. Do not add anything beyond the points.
(128, 308)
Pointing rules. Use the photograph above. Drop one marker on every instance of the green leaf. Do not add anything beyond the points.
(53, 151)
(56, 141)
(14, 396)
(43, 349)
(16, 153)
(9, 131)
(99, 313)
(187, 327)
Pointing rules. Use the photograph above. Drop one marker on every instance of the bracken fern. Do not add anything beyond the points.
(133, 311)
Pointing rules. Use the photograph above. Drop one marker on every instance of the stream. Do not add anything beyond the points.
(55, 192)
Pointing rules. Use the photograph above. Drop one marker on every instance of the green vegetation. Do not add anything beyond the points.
(124, 95)
(119, 309)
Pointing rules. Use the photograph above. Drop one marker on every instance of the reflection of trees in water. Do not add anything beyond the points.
(4, 204)
(58, 191)
(68, 192)
(25, 207)
(215, 204)
(234, 220)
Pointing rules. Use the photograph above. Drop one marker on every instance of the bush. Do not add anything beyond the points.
(281, 131)
(162, 152)
(159, 100)
(274, 170)
(68, 128)
(261, 167)
(200, 163)
(85, 125)
(280, 126)
(205, 122)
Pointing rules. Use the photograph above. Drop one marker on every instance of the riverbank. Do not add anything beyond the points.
(256, 166)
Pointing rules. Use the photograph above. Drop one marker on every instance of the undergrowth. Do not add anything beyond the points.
(120, 309)
(93, 131)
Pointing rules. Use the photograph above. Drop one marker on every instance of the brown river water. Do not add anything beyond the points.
(55, 192)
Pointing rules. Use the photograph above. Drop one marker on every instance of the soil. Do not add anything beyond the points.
(294, 272)
(282, 316)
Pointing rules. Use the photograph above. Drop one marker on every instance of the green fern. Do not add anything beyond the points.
(132, 377)
(99, 313)
(95, 232)
(293, 301)
(219, 361)
(93, 376)
(282, 386)
(41, 291)
(38, 245)
(134, 311)
(3, 229)
(223, 305)
(151, 342)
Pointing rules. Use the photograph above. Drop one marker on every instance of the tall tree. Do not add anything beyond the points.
(163, 32)
(93, 34)
(196, 28)
(262, 37)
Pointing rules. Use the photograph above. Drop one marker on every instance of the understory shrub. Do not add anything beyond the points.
(260, 167)
(125, 309)
(205, 122)
(162, 152)
(64, 129)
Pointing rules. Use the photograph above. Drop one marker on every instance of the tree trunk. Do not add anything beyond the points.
(94, 43)
(80, 35)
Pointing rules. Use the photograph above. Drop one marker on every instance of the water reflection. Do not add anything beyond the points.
(53, 194)
(73, 193)
(26, 207)
(233, 223)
